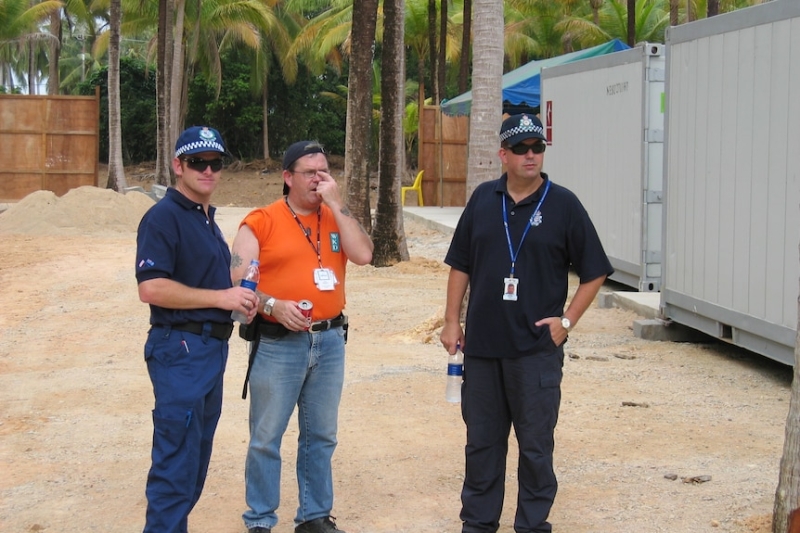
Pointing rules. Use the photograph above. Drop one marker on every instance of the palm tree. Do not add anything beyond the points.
(388, 233)
(274, 47)
(71, 9)
(209, 27)
(652, 18)
(631, 26)
(19, 33)
(163, 66)
(466, 39)
(441, 59)
(116, 171)
(485, 118)
(433, 63)
(359, 109)
(531, 30)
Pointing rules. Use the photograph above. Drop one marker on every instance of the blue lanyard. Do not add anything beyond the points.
(511, 251)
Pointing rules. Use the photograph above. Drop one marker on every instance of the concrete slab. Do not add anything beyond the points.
(443, 219)
(644, 304)
(666, 330)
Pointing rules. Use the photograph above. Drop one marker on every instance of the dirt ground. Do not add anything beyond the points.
(641, 422)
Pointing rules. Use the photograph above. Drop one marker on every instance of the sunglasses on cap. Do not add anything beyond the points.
(522, 149)
(200, 165)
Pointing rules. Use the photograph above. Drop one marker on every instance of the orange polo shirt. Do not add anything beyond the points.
(288, 260)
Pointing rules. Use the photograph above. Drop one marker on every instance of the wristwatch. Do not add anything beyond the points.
(565, 323)
(268, 305)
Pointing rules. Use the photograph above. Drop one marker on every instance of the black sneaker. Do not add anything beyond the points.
(319, 525)
(259, 529)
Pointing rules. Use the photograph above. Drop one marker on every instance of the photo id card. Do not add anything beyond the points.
(324, 278)
(510, 286)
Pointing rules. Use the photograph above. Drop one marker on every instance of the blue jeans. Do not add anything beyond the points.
(304, 369)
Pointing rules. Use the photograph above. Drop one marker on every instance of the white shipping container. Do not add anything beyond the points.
(732, 153)
(604, 120)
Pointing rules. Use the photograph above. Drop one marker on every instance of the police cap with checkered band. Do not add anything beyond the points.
(517, 128)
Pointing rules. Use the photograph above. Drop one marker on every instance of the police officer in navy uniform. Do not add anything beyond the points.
(183, 271)
(525, 231)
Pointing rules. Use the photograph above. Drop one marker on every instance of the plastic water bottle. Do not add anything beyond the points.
(250, 281)
(455, 375)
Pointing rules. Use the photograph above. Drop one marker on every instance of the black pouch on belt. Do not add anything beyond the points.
(249, 332)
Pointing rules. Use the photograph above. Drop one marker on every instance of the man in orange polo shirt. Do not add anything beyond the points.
(303, 242)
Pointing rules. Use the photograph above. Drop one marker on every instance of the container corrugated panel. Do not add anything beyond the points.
(604, 119)
(732, 154)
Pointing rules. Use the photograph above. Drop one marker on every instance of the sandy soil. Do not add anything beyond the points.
(641, 422)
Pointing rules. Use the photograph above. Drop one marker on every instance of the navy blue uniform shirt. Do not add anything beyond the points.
(177, 241)
(564, 238)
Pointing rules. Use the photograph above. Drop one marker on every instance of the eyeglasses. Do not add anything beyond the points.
(200, 165)
(522, 149)
(308, 174)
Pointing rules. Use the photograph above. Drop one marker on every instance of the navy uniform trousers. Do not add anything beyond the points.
(497, 393)
(186, 371)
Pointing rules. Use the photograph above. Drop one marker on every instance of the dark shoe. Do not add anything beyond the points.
(259, 529)
(319, 525)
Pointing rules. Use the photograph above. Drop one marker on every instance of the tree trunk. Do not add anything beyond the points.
(632, 23)
(359, 110)
(713, 8)
(388, 234)
(433, 58)
(177, 74)
(487, 99)
(53, 77)
(466, 39)
(116, 171)
(596, 5)
(441, 63)
(265, 120)
(786, 512)
(31, 68)
(674, 7)
(164, 148)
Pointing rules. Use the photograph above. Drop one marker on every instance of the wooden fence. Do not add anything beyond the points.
(443, 156)
(48, 143)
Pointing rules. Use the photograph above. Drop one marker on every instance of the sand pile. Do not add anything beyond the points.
(84, 210)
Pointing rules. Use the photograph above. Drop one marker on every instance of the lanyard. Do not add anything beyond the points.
(511, 251)
(307, 231)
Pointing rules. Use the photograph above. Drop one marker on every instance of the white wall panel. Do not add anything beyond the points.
(732, 214)
(606, 145)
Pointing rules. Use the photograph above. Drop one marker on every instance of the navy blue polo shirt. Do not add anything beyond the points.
(564, 238)
(177, 241)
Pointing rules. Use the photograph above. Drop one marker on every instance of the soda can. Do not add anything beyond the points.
(305, 307)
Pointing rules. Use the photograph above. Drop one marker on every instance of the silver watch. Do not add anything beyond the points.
(268, 306)
(565, 323)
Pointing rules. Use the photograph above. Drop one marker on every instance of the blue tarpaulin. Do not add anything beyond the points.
(522, 86)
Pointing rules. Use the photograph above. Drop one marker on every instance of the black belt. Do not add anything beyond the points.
(218, 330)
(274, 329)
(324, 325)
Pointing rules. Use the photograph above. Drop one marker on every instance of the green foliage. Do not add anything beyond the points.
(138, 108)
(236, 113)
(295, 112)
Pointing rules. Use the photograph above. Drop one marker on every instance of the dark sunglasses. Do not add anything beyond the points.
(200, 165)
(522, 149)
